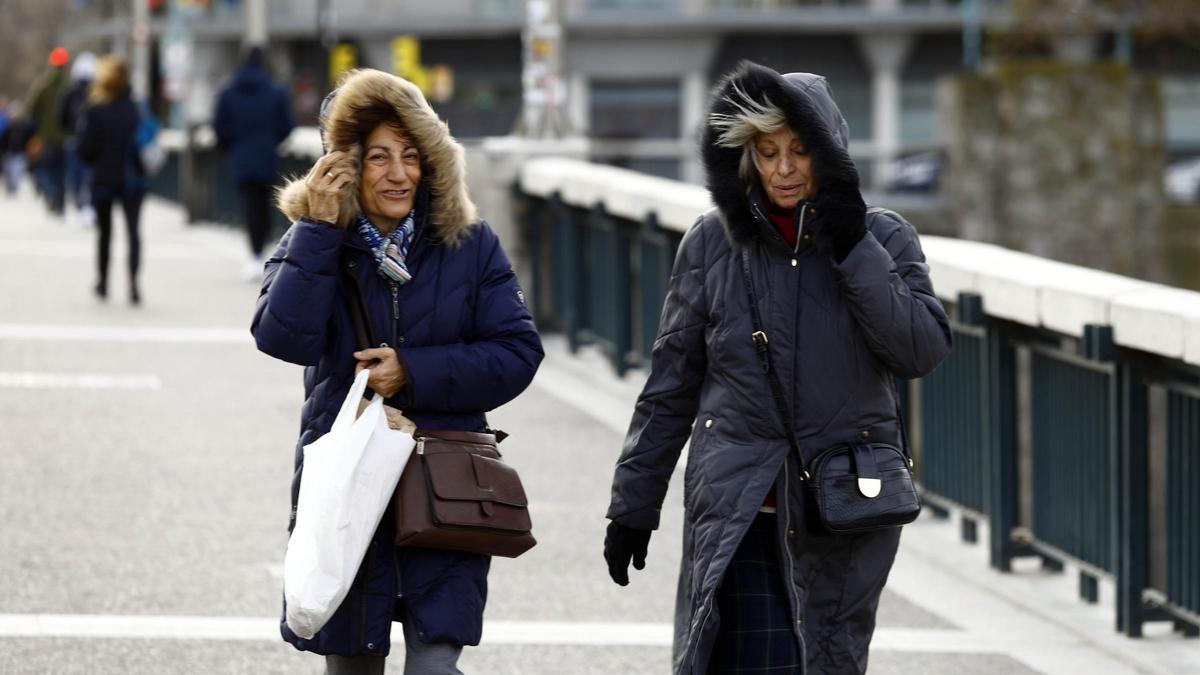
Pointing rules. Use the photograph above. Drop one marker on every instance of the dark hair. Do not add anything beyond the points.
(254, 57)
(368, 117)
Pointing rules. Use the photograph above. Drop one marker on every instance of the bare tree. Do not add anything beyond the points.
(29, 31)
(1032, 25)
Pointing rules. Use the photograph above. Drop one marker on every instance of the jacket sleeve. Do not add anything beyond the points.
(497, 361)
(222, 121)
(291, 320)
(287, 120)
(667, 406)
(887, 286)
(87, 134)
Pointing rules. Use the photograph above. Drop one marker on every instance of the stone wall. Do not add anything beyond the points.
(1059, 160)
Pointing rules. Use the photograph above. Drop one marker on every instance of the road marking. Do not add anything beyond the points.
(553, 633)
(79, 250)
(31, 380)
(71, 333)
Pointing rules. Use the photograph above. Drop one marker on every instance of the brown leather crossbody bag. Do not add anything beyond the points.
(455, 492)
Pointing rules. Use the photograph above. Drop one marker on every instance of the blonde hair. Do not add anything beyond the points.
(738, 129)
(112, 80)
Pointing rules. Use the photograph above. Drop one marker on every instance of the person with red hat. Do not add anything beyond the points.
(42, 107)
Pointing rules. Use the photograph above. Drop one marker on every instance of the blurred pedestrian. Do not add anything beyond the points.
(846, 306)
(14, 143)
(4, 114)
(42, 106)
(108, 146)
(70, 109)
(253, 116)
(386, 212)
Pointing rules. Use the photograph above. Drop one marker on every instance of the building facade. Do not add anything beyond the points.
(637, 72)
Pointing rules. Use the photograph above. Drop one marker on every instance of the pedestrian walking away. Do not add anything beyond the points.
(14, 142)
(70, 108)
(253, 116)
(107, 144)
(845, 305)
(385, 215)
(42, 105)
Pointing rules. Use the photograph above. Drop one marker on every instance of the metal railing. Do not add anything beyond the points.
(1041, 423)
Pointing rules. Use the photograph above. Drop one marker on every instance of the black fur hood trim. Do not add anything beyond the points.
(807, 102)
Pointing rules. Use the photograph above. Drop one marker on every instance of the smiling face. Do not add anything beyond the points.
(390, 176)
(784, 168)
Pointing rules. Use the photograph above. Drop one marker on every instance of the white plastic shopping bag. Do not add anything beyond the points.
(349, 476)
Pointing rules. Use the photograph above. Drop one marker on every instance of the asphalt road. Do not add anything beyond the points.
(146, 456)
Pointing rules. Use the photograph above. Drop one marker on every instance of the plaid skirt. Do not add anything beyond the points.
(756, 633)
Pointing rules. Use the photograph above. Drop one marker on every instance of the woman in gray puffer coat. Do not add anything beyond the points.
(845, 298)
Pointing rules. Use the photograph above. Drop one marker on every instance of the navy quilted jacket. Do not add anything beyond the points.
(468, 344)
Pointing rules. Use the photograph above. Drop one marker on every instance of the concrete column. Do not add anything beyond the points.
(694, 103)
(255, 28)
(141, 49)
(577, 102)
(886, 55)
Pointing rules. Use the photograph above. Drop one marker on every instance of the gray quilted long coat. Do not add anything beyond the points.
(838, 335)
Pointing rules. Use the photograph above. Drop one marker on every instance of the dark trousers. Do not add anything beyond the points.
(756, 633)
(131, 202)
(256, 202)
(51, 175)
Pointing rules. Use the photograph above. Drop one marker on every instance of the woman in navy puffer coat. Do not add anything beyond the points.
(388, 208)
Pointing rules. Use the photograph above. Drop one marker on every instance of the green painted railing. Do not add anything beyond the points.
(1043, 434)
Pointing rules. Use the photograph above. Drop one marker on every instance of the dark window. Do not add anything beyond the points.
(622, 110)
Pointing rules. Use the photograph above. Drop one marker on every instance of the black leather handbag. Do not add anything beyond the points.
(857, 487)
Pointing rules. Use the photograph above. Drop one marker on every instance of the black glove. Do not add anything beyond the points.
(839, 220)
(621, 544)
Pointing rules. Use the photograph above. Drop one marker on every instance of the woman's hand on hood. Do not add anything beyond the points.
(327, 183)
(839, 214)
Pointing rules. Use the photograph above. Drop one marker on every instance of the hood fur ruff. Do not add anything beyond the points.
(443, 165)
(808, 104)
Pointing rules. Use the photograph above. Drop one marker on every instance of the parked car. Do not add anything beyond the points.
(1182, 181)
(916, 173)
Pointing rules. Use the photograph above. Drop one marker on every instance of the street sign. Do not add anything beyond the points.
(342, 58)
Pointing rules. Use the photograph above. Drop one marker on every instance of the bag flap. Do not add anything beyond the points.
(470, 477)
(840, 460)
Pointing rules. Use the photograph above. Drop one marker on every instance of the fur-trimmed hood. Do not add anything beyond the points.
(807, 102)
(443, 165)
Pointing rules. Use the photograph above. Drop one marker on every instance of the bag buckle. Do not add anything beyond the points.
(870, 487)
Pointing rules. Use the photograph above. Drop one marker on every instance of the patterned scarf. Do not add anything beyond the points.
(391, 252)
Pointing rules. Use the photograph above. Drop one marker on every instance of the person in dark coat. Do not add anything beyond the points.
(253, 116)
(107, 144)
(14, 141)
(70, 109)
(42, 106)
(459, 341)
(847, 306)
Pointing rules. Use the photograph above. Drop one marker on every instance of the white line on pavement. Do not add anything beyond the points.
(31, 380)
(69, 333)
(85, 250)
(494, 632)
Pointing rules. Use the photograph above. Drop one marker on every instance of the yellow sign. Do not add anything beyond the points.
(406, 56)
(441, 84)
(341, 59)
(437, 82)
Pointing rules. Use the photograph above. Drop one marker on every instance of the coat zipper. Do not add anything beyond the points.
(798, 627)
(799, 236)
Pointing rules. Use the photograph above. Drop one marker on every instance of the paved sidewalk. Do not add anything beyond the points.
(147, 455)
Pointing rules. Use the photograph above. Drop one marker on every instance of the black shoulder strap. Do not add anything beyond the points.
(764, 356)
(358, 311)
